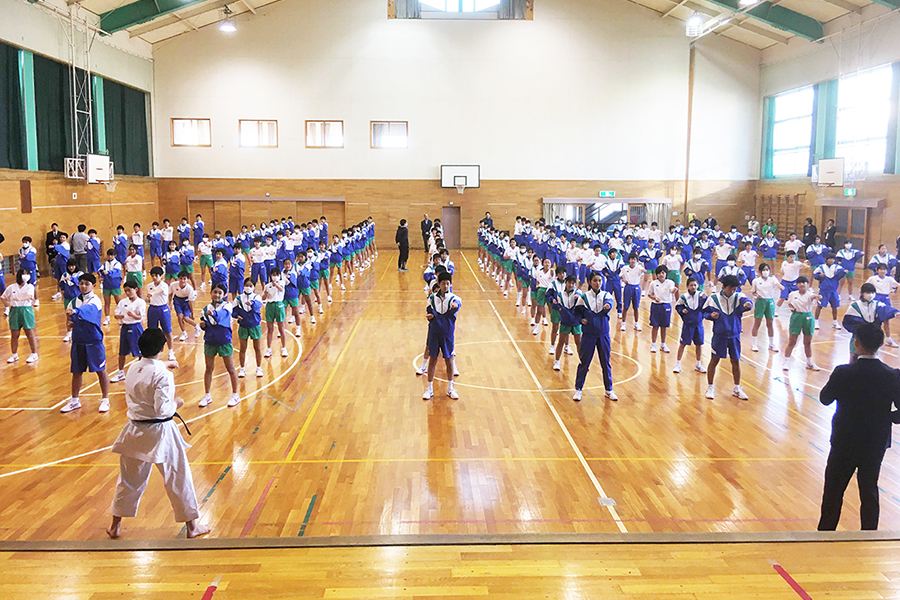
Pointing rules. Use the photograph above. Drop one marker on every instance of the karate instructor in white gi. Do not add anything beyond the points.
(150, 438)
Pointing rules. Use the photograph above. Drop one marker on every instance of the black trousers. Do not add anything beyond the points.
(838, 472)
(404, 256)
(425, 241)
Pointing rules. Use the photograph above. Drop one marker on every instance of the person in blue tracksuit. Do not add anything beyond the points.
(441, 311)
(237, 272)
(847, 258)
(592, 310)
(731, 268)
(248, 314)
(697, 268)
(187, 260)
(866, 310)
(613, 283)
(215, 320)
(120, 243)
(564, 301)
(816, 253)
(769, 246)
(690, 306)
(219, 271)
(92, 252)
(197, 230)
(63, 252)
(829, 276)
(154, 236)
(88, 352)
(725, 309)
(184, 231)
(649, 257)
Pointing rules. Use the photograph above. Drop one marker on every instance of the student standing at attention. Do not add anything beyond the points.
(88, 352)
(632, 274)
(661, 293)
(151, 437)
(216, 323)
(441, 313)
(248, 314)
(765, 288)
(130, 311)
(801, 302)
(592, 309)
(725, 309)
(690, 307)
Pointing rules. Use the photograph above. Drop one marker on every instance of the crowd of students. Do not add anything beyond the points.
(570, 276)
(294, 265)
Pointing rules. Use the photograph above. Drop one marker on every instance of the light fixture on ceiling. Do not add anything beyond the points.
(227, 26)
(748, 2)
(694, 25)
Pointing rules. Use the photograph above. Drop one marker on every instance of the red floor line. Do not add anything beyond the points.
(659, 520)
(790, 581)
(208, 594)
(252, 520)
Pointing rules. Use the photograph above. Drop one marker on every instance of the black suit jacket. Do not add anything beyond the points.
(866, 391)
(828, 240)
(52, 240)
(426, 226)
(402, 237)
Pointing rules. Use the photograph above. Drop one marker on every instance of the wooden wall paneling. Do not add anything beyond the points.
(253, 211)
(334, 212)
(228, 216)
(205, 208)
(357, 211)
(282, 209)
(305, 211)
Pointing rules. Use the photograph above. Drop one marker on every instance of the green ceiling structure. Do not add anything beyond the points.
(141, 12)
(782, 18)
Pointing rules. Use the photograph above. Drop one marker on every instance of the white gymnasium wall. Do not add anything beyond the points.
(591, 89)
(116, 57)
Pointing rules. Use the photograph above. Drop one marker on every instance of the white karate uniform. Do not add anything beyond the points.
(150, 394)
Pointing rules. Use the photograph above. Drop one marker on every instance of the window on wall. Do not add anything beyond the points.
(864, 108)
(792, 132)
(191, 132)
(390, 134)
(462, 6)
(324, 134)
(258, 134)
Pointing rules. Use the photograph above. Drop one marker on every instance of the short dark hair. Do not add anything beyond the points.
(661, 269)
(89, 277)
(157, 271)
(571, 279)
(151, 342)
(730, 281)
(445, 276)
(220, 286)
(129, 285)
(802, 279)
(691, 279)
(560, 270)
(869, 336)
(867, 288)
(82, 227)
(402, 222)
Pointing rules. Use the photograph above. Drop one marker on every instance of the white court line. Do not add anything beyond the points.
(537, 383)
(197, 418)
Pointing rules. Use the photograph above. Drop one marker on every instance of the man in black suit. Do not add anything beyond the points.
(830, 231)
(426, 231)
(402, 239)
(52, 240)
(866, 391)
(487, 220)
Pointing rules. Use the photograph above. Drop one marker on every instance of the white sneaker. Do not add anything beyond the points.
(556, 366)
(32, 358)
(528, 303)
(551, 350)
(452, 393)
(611, 394)
(622, 326)
(56, 296)
(755, 347)
(773, 348)
(817, 324)
(637, 327)
(652, 347)
(233, 401)
(242, 372)
(577, 396)
(37, 303)
(532, 323)
(6, 314)
(117, 377)
(455, 370)
(343, 287)
(737, 392)
(13, 358)
(710, 392)
(890, 342)
(267, 353)
(298, 331)
(568, 350)
(72, 404)
(835, 325)
(517, 302)
(545, 322)
(813, 366)
(172, 355)
(259, 372)
(665, 348)
(428, 395)
(302, 309)
(106, 322)
(677, 368)
(206, 400)
(506, 293)
(700, 368)
(284, 351)
(291, 319)
(850, 298)
(330, 300)
(787, 364)
(67, 337)
(422, 370)
(183, 337)
(536, 330)
(197, 331)
(104, 405)
(321, 310)
(312, 319)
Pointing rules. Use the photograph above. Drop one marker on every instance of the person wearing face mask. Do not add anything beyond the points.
(829, 276)
(19, 298)
(866, 310)
(28, 262)
(248, 314)
(847, 258)
(765, 288)
(731, 268)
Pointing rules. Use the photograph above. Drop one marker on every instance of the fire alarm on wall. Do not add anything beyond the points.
(74, 196)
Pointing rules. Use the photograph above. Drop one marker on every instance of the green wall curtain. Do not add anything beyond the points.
(52, 112)
(126, 128)
(12, 125)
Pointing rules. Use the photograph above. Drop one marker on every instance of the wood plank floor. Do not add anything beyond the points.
(336, 440)
(658, 571)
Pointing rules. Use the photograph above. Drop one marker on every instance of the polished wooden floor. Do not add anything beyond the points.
(336, 440)
(659, 571)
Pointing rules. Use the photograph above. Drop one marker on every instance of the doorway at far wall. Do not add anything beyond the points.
(450, 220)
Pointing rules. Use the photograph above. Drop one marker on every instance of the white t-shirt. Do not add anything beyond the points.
(747, 257)
(632, 275)
(790, 271)
(544, 278)
(16, 295)
(167, 233)
(766, 288)
(158, 293)
(181, 292)
(597, 262)
(656, 235)
(663, 292)
(794, 245)
(134, 264)
(672, 262)
(803, 303)
(883, 285)
(127, 305)
(205, 248)
(137, 238)
(722, 251)
(257, 255)
(272, 293)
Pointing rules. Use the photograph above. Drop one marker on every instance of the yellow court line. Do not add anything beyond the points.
(537, 383)
(328, 381)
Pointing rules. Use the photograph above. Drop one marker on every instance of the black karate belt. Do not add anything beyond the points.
(154, 421)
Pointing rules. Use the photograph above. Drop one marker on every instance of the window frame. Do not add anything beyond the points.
(306, 133)
(257, 121)
(372, 145)
(172, 132)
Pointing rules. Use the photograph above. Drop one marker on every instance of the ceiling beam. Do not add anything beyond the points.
(848, 6)
(174, 19)
(780, 17)
(249, 6)
(739, 22)
(139, 12)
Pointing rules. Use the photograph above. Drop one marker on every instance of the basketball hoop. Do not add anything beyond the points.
(111, 185)
(460, 187)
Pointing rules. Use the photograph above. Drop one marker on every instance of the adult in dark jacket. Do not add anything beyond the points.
(810, 232)
(402, 239)
(828, 236)
(426, 231)
(866, 392)
(52, 240)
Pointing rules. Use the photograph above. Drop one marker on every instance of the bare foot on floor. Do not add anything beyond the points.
(195, 529)
(114, 531)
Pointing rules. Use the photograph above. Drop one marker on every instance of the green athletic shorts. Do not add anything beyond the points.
(137, 277)
(305, 291)
(171, 276)
(508, 266)
(253, 333)
(188, 268)
(323, 274)
(245, 250)
(67, 302)
(801, 323)
(576, 329)
(849, 274)
(206, 260)
(764, 308)
(674, 276)
(314, 284)
(112, 291)
(223, 350)
(21, 317)
(541, 296)
(275, 312)
(292, 302)
(554, 315)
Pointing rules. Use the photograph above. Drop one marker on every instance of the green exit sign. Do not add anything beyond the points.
(607, 194)
(850, 191)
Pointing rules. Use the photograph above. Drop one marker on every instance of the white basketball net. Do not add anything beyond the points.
(460, 187)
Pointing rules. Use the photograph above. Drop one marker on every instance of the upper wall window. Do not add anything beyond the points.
(792, 132)
(390, 134)
(258, 134)
(461, 9)
(324, 134)
(864, 108)
(191, 132)
(462, 6)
